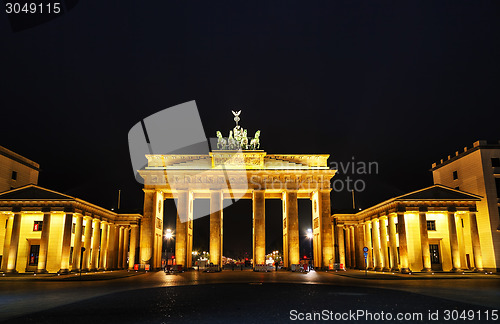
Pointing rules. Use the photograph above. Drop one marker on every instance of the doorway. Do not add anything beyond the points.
(435, 257)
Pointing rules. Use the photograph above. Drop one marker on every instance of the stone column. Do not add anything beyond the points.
(403, 247)
(153, 209)
(183, 254)
(259, 227)
(285, 233)
(392, 242)
(103, 262)
(476, 246)
(292, 226)
(96, 234)
(88, 241)
(133, 246)
(125, 248)
(116, 247)
(120, 247)
(325, 226)
(383, 244)
(368, 244)
(66, 244)
(6, 244)
(360, 240)
(347, 233)
(14, 244)
(44, 244)
(353, 246)
(424, 240)
(455, 252)
(216, 206)
(340, 237)
(376, 245)
(110, 256)
(77, 244)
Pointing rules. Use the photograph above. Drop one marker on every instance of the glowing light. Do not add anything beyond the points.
(309, 233)
(169, 234)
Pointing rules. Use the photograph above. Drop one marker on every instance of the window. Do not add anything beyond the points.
(73, 228)
(14, 175)
(457, 188)
(431, 225)
(455, 175)
(37, 226)
(497, 183)
(495, 162)
(397, 228)
(70, 254)
(6, 222)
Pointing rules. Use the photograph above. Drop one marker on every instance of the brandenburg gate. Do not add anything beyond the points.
(236, 170)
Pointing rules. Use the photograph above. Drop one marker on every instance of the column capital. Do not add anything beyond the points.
(368, 221)
(96, 220)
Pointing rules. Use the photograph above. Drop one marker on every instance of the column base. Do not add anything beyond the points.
(405, 270)
(11, 271)
(63, 271)
(394, 269)
(478, 270)
(378, 269)
(41, 271)
(426, 270)
(456, 270)
(386, 269)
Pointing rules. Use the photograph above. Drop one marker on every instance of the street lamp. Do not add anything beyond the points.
(168, 236)
(310, 237)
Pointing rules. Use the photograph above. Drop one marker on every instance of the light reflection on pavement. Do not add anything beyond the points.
(23, 297)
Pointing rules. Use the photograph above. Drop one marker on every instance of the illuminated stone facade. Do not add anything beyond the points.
(433, 229)
(44, 231)
(16, 171)
(225, 175)
(476, 170)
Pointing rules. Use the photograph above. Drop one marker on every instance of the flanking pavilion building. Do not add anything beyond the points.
(432, 229)
(45, 231)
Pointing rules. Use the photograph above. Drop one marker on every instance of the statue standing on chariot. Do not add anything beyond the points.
(238, 139)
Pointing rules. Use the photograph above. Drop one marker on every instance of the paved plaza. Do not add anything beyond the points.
(246, 296)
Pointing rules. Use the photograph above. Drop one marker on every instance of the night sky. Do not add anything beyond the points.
(400, 83)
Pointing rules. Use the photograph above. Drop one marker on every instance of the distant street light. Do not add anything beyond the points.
(310, 237)
(168, 236)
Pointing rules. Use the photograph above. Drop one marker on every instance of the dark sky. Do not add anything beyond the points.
(400, 83)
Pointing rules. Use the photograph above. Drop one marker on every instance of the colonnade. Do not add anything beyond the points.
(386, 239)
(106, 243)
(322, 230)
